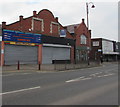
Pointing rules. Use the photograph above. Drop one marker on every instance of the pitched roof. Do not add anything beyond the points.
(70, 28)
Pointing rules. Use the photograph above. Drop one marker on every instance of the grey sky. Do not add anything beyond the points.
(103, 19)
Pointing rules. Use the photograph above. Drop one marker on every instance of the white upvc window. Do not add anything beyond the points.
(95, 43)
(38, 19)
(51, 26)
(83, 39)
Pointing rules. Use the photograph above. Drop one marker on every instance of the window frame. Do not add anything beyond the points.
(83, 39)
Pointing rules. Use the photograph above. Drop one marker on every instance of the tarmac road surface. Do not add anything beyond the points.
(90, 86)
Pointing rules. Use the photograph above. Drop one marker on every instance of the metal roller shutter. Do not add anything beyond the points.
(47, 55)
(24, 54)
(61, 53)
(55, 53)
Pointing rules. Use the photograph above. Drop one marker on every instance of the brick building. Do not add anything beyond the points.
(39, 38)
(103, 49)
(82, 36)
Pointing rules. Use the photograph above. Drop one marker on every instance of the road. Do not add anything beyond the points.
(90, 86)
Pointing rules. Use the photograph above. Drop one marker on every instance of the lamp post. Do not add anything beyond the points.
(87, 9)
(87, 6)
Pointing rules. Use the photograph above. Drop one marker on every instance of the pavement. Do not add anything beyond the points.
(90, 86)
(13, 68)
(45, 68)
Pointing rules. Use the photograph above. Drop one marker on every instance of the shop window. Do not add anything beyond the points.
(83, 39)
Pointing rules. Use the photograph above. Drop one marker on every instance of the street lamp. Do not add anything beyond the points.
(93, 6)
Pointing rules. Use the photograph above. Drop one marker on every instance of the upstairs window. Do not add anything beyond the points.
(95, 43)
(54, 28)
(37, 24)
(83, 39)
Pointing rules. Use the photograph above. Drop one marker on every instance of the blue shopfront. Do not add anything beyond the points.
(20, 46)
(30, 48)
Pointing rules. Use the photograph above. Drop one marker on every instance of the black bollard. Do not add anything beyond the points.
(39, 66)
(18, 66)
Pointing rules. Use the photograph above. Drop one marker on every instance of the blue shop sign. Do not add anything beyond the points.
(17, 36)
(63, 33)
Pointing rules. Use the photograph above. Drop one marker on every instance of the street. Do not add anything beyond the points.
(89, 86)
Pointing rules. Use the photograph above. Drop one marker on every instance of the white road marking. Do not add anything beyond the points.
(106, 75)
(100, 76)
(76, 79)
(21, 90)
(95, 74)
(86, 78)
(83, 77)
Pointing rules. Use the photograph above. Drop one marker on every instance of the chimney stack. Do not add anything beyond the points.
(20, 17)
(83, 20)
(3, 25)
(34, 13)
(56, 19)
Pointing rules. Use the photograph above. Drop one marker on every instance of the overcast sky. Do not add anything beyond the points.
(103, 19)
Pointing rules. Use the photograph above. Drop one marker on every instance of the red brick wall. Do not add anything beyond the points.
(94, 49)
(82, 29)
(55, 30)
(72, 54)
(25, 24)
(37, 25)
